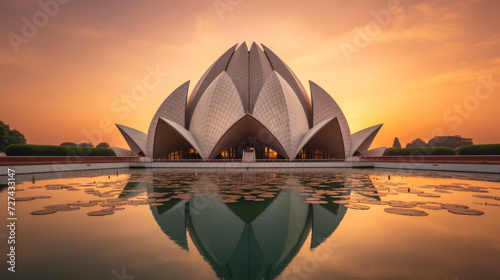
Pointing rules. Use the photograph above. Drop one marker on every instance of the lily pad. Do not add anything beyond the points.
(431, 207)
(62, 207)
(26, 198)
(357, 206)
(100, 213)
(84, 204)
(452, 206)
(43, 197)
(428, 195)
(406, 212)
(374, 202)
(465, 211)
(401, 204)
(45, 211)
(316, 201)
(341, 201)
(485, 196)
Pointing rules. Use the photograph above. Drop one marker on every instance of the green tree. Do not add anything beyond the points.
(16, 137)
(9, 137)
(452, 142)
(68, 144)
(4, 136)
(417, 143)
(102, 145)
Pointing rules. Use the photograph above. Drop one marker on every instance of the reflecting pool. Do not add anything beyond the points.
(291, 224)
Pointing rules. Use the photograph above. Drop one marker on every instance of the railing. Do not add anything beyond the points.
(435, 159)
(239, 160)
(300, 160)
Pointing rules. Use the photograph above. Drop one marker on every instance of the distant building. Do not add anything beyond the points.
(249, 100)
(396, 144)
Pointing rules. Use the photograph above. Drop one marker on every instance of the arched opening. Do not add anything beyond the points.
(312, 153)
(324, 141)
(187, 153)
(261, 152)
(247, 133)
(170, 138)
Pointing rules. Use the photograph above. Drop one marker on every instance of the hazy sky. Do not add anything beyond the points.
(415, 66)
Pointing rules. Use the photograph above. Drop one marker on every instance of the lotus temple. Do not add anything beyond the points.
(249, 105)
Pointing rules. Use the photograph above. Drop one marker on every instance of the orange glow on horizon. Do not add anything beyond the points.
(414, 66)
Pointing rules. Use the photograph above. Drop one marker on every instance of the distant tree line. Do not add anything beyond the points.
(88, 145)
(442, 146)
(51, 151)
(467, 150)
(452, 142)
(9, 136)
(424, 151)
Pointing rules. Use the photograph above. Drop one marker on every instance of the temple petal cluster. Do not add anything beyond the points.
(249, 101)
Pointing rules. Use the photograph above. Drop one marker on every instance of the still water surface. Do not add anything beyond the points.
(353, 224)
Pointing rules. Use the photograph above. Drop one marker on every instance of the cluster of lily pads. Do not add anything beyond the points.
(354, 190)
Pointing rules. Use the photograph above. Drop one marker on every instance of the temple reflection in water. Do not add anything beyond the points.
(246, 239)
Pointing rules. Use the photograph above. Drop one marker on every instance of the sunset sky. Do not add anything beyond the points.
(415, 66)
